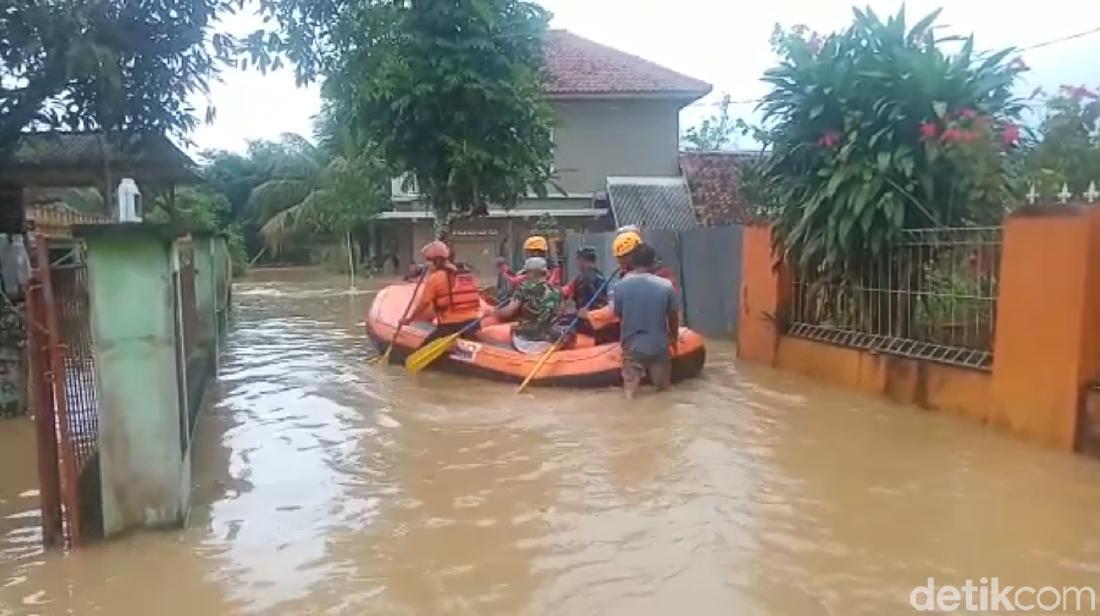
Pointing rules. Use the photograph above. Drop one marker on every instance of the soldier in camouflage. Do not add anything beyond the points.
(535, 304)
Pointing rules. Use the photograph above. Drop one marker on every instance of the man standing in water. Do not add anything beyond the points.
(649, 312)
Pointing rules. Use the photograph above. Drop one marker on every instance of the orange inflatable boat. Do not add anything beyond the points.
(494, 356)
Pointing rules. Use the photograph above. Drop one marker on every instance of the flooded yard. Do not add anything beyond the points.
(325, 485)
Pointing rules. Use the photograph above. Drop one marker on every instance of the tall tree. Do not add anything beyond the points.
(877, 129)
(112, 64)
(715, 133)
(1068, 150)
(448, 90)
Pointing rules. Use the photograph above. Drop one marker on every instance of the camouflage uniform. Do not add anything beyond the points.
(539, 305)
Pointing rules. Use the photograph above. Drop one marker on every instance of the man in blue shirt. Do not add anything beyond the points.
(649, 312)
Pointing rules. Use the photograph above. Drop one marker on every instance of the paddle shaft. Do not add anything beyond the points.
(561, 338)
(397, 332)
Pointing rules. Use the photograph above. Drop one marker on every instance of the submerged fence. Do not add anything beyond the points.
(933, 295)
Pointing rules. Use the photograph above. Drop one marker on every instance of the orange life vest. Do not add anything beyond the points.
(462, 295)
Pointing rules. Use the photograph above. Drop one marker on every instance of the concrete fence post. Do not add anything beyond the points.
(764, 290)
(1047, 339)
(144, 453)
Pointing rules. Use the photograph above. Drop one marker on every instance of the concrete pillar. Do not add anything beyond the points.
(763, 292)
(206, 282)
(143, 441)
(1047, 341)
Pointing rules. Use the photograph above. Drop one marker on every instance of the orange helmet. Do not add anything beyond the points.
(435, 250)
(536, 242)
(625, 242)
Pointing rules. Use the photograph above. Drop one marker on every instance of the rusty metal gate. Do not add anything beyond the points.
(64, 392)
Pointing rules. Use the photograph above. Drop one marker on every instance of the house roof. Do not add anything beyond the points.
(580, 67)
(651, 203)
(714, 178)
(78, 158)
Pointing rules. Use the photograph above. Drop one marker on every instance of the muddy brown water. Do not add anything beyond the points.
(323, 485)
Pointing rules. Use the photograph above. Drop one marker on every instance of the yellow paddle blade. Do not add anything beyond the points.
(434, 350)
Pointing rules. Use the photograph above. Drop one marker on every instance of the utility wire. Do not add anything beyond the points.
(1062, 39)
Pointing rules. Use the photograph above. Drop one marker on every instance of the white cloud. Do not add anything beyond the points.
(722, 41)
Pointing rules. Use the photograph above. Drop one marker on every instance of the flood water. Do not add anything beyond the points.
(324, 485)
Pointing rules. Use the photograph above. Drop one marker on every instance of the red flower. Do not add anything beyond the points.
(1010, 134)
(829, 139)
(1018, 64)
(949, 135)
(928, 130)
(968, 136)
(968, 113)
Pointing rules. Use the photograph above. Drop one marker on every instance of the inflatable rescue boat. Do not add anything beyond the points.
(493, 355)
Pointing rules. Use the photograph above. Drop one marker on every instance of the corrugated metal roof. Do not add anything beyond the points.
(651, 203)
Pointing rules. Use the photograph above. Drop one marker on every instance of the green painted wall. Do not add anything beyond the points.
(144, 475)
(205, 282)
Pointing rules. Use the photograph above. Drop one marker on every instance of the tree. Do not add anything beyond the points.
(449, 92)
(1068, 149)
(110, 64)
(313, 190)
(715, 133)
(877, 129)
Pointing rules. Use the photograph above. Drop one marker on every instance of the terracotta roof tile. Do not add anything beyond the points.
(713, 178)
(580, 66)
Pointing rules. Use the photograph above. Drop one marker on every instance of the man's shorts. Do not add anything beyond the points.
(657, 368)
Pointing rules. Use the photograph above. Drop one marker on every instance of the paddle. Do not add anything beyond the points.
(385, 357)
(564, 334)
(424, 356)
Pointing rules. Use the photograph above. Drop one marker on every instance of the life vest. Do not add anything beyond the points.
(463, 294)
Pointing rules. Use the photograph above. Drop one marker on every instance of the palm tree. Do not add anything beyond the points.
(314, 189)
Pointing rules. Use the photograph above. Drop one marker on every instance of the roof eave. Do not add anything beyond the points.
(684, 97)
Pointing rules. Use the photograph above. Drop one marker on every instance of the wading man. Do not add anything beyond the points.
(649, 314)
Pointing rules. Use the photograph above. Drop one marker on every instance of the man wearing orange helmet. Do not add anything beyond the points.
(534, 246)
(452, 295)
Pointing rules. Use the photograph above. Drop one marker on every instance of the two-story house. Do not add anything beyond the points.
(617, 131)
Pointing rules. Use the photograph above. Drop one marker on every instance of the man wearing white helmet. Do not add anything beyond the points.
(535, 304)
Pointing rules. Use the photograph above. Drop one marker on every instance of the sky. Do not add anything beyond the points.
(724, 42)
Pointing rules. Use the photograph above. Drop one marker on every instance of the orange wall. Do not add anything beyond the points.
(935, 386)
(1046, 343)
(1048, 323)
(762, 291)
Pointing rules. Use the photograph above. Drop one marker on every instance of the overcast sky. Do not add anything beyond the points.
(724, 42)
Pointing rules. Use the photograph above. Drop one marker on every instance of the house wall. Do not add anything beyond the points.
(598, 138)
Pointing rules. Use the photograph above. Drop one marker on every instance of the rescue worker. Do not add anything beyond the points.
(535, 304)
(603, 320)
(589, 283)
(534, 246)
(659, 268)
(452, 295)
(649, 313)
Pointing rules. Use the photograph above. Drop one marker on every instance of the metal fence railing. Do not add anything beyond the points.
(932, 296)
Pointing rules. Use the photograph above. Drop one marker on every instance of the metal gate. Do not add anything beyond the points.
(64, 392)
